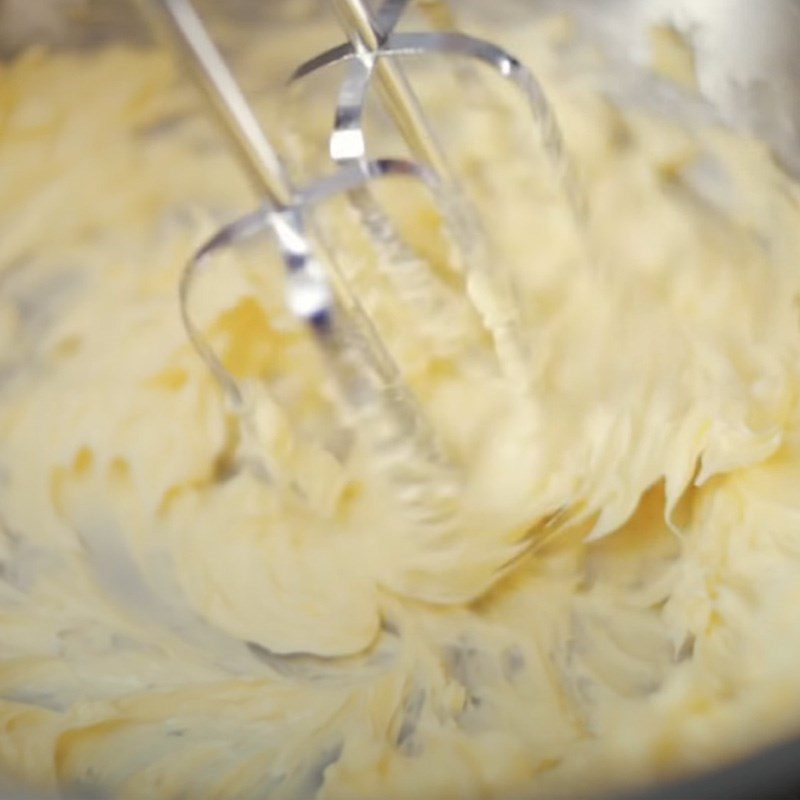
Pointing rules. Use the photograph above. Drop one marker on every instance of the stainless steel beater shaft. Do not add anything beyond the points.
(401, 102)
(236, 117)
(491, 290)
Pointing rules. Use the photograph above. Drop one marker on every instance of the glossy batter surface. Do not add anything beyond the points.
(619, 603)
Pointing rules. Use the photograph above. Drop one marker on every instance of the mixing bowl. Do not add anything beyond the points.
(747, 59)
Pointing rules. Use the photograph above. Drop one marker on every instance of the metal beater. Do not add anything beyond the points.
(371, 386)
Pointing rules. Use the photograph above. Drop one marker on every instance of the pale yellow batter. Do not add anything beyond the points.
(619, 605)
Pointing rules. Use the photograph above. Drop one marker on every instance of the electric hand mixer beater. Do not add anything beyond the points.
(373, 393)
